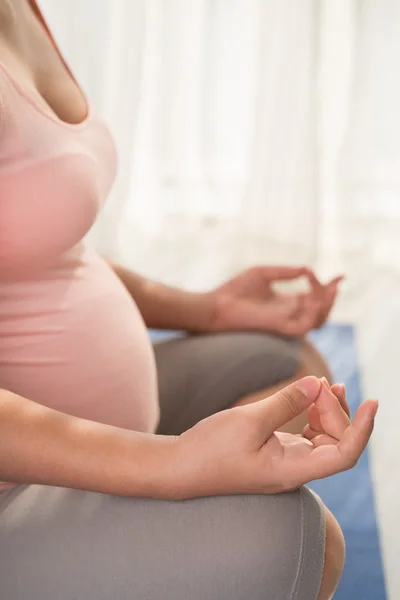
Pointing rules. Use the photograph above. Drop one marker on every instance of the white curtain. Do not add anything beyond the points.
(248, 131)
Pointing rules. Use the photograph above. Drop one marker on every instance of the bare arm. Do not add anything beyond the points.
(235, 451)
(165, 307)
(40, 445)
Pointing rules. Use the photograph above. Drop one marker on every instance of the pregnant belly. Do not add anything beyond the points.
(75, 341)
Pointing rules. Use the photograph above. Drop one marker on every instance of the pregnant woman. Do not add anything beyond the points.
(124, 474)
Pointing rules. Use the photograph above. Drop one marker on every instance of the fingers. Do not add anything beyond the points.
(285, 405)
(324, 440)
(310, 433)
(333, 419)
(313, 308)
(340, 392)
(328, 459)
(329, 415)
(288, 304)
(314, 420)
(318, 438)
(356, 437)
(325, 300)
(282, 273)
(302, 322)
(325, 294)
(331, 291)
(336, 280)
(308, 317)
(316, 286)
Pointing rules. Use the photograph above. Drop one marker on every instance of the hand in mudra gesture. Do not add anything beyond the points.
(249, 302)
(241, 451)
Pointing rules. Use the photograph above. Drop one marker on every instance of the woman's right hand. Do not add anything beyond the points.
(239, 451)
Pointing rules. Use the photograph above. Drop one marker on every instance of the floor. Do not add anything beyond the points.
(351, 495)
(375, 313)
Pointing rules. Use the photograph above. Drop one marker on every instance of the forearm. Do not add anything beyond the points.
(41, 445)
(165, 307)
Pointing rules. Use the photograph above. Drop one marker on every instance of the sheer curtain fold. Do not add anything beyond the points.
(279, 210)
(248, 131)
(369, 164)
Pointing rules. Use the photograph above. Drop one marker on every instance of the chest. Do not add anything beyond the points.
(56, 169)
(30, 54)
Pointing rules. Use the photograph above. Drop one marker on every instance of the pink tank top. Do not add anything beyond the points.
(71, 337)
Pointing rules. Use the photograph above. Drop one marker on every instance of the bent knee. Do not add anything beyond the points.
(334, 558)
(282, 541)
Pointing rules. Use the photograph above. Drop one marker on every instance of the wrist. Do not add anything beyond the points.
(222, 304)
(157, 475)
(130, 463)
(176, 309)
(202, 314)
(174, 470)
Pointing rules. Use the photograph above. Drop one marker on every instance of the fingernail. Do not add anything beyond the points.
(309, 386)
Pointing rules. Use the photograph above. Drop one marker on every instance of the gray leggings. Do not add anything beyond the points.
(60, 544)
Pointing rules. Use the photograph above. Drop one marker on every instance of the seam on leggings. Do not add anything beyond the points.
(300, 562)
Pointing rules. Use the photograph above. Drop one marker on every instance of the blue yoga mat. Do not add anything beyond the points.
(350, 495)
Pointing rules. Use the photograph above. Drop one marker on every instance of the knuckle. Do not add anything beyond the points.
(290, 400)
(351, 461)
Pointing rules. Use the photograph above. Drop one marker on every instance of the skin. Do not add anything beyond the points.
(247, 302)
(55, 449)
(237, 451)
(311, 363)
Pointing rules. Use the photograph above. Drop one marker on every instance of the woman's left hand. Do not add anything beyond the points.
(242, 451)
(248, 302)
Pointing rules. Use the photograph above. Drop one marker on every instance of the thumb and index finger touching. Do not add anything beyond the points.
(283, 273)
(291, 401)
(288, 403)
